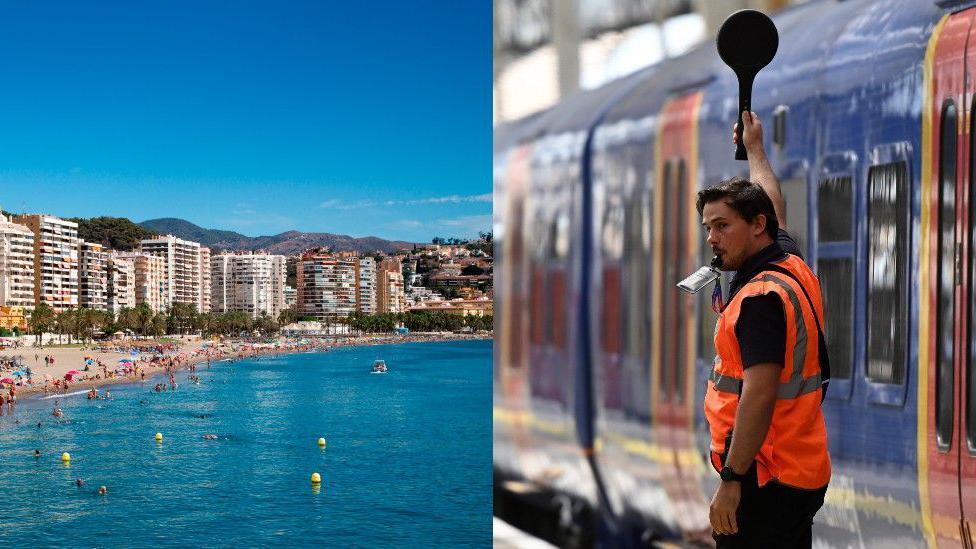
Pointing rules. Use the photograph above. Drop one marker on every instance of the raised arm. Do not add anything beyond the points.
(760, 171)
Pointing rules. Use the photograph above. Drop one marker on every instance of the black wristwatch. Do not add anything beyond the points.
(728, 474)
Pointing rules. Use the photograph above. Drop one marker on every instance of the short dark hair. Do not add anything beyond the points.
(746, 198)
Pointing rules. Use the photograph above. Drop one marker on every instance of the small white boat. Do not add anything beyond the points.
(379, 367)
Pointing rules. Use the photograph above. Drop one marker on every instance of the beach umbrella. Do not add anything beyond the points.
(68, 376)
(73, 372)
(125, 360)
(6, 380)
(18, 373)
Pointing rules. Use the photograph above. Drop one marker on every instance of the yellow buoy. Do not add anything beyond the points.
(316, 478)
(322, 442)
(66, 457)
(159, 437)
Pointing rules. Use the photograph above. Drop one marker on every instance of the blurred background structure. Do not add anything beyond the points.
(545, 50)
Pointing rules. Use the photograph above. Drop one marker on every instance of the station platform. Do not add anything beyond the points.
(506, 536)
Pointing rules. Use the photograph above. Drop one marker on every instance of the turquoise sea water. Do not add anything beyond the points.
(408, 461)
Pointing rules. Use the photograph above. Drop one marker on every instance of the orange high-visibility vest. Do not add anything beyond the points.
(794, 452)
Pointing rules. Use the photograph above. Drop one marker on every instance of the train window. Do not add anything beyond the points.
(887, 299)
(683, 301)
(837, 285)
(835, 210)
(668, 297)
(779, 126)
(835, 224)
(637, 291)
(944, 318)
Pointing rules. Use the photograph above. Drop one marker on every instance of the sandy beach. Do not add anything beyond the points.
(105, 368)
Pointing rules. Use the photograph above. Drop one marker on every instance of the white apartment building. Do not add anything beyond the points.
(121, 291)
(16, 265)
(205, 280)
(252, 283)
(92, 276)
(327, 284)
(150, 285)
(55, 260)
(367, 285)
(181, 259)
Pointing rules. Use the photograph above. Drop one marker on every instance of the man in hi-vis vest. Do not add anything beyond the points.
(769, 440)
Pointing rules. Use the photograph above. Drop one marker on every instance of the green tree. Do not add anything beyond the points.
(145, 319)
(158, 324)
(182, 317)
(41, 320)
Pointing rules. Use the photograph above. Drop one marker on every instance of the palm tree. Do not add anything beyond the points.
(41, 320)
(158, 324)
(145, 317)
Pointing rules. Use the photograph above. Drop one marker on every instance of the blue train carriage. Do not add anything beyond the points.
(644, 178)
(536, 388)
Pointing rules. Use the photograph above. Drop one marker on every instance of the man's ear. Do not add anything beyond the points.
(759, 225)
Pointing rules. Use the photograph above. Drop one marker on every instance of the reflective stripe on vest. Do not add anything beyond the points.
(797, 385)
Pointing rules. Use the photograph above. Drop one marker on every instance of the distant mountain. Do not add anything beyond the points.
(287, 243)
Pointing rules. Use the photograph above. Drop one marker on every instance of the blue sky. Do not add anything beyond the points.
(360, 118)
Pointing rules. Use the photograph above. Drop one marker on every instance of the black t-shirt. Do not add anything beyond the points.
(761, 328)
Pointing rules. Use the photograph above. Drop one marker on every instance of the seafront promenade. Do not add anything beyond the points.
(131, 361)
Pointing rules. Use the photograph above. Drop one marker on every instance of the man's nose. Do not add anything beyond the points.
(712, 237)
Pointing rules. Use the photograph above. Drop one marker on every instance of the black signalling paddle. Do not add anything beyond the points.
(746, 42)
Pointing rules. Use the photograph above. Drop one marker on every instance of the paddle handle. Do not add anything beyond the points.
(745, 104)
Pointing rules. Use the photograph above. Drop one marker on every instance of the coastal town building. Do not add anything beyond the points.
(419, 294)
(328, 284)
(291, 297)
(390, 297)
(92, 276)
(474, 307)
(181, 265)
(252, 283)
(13, 318)
(366, 300)
(55, 250)
(150, 280)
(121, 292)
(205, 280)
(16, 265)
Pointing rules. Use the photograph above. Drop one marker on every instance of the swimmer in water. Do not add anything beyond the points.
(79, 483)
(209, 437)
(102, 490)
(37, 453)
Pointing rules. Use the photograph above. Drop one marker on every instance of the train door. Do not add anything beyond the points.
(673, 340)
(943, 316)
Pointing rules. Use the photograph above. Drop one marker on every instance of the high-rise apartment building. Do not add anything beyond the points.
(150, 285)
(121, 292)
(181, 260)
(327, 284)
(55, 260)
(205, 280)
(16, 265)
(367, 285)
(252, 283)
(92, 276)
(390, 297)
(291, 297)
